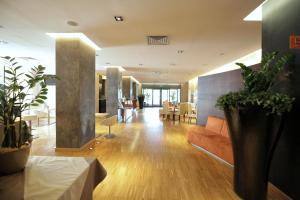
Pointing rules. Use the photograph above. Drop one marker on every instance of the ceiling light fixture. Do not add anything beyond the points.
(256, 14)
(119, 18)
(180, 51)
(80, 36)
(72, 23)
(1, 26)
(140, 64)
(173, 64)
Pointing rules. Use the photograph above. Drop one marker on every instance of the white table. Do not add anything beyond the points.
(28, 118)
(51, 178)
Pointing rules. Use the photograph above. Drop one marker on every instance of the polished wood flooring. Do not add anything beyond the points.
(151, 159)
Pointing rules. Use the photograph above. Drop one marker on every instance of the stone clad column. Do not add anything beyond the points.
(127, 87)
(113, 89)
(97, 94)
(75, 93)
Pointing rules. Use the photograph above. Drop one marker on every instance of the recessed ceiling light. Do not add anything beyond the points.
(180, 51)
(140, 64)
(1, 26)
(119, 18)
(222, 54)
(72, 23)
(97, 55)
(256, 14)
(173, 64)
(2, 42)
(108, 63)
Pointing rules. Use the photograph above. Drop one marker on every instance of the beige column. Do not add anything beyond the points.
(113, 89)
(127, 87)
(97, 95)
(184, 92)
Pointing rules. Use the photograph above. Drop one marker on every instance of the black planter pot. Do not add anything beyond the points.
(254, 136)
(141, 101)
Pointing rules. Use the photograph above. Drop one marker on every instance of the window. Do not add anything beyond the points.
(156, 97)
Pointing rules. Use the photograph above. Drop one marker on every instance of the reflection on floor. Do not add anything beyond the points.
(151, 159)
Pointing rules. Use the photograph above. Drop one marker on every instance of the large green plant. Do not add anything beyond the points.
(16, 97)
(258, 85)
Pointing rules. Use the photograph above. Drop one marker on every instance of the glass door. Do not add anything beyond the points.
(156, 97)
(173, 96)
(164, 95)
(148, 97)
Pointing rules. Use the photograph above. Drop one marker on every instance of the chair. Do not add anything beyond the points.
(182, 110)
(190, 114)
(110, 121)
(161, 111)
(165, 110)
(41, 111)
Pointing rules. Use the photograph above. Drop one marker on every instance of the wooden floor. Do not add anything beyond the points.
(151, 159)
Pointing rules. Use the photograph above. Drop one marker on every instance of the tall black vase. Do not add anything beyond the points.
(254, 136)
(141, 101)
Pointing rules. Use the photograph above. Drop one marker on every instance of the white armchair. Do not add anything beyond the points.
(165, 110)
(183, 108)
(191, 112)
(42, 111)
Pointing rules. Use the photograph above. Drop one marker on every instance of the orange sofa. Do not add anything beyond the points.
(214, 138)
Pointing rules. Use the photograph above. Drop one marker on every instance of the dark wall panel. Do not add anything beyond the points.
(280, 20)
(210, 88)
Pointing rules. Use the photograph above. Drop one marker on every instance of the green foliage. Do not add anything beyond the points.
(257, 87)
(15, 96)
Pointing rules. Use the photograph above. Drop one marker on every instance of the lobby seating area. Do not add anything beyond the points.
(213, 138)
(180, 112)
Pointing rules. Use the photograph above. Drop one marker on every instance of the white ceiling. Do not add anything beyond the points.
(204, 29)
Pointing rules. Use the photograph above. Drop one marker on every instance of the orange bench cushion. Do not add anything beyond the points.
(212, 142)
(224, 131)
(214, 124)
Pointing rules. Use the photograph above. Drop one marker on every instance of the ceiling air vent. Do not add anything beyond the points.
(158, 40)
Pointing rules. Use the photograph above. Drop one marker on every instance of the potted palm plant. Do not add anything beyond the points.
(255, 117)
(16, 97)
